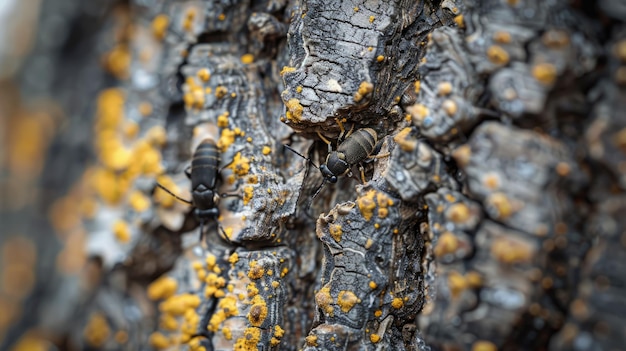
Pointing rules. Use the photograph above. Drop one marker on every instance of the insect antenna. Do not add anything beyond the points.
(174, 195)
(223, 234)
(299, 154)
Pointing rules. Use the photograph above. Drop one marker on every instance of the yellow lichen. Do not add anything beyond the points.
(397, 303)
(258, 311)
(256, 271)
(117, 61)
(474, 279)
(502, 37)
(497, 55)
(248, 192)
(178, 304)
(278, 331)
(188, 21)
(168, 322)
(563, 169)
(311, 340)
(204, 74)
(402, 139)
(380, 58)
(501, 203)
(458, 213)
(374, 338)
(240, 165)
(456, 283)
(460, 21)
(373, 285)
(222, 120)
(447, 244)
(162, 288)
(252, 290)
(544, 73)
(324, 300)
(121, 337)
(418, 112)
(249, 341)
(511, 251)
(247, 59)
(335, 231)
(346, 300)
(462, 155)
(234, 258)
(220, 91)
(159, 341)
(383, 200)
(372, 18)
(449, 107)
(444, 88)
(287, 69)
(227, 138)
(364, 89)
(367, 205)
(156, 136)
(227, 307)
(491, 180)
(294, 110)
(483, 345)
(266, 150)
(228, 335)
(138, 201)
(121, 231)
(97, 330)
(382, 213)
(130, 129)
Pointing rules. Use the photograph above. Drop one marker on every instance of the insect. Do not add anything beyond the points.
(354, 149)
(203, 174)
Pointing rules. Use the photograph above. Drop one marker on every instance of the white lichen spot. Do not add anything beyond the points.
(333, 85)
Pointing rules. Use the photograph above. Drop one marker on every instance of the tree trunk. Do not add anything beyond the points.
(454, 179)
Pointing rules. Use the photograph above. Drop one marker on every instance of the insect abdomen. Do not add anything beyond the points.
(204, 165)
(359, 145)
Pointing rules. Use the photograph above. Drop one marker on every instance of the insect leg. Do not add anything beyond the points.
(349, 132)
(340, 124)
(380, 156)
(362, 170)
(323, 138)
(201, 231)
(319, 189)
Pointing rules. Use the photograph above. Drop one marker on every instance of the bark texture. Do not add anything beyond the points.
(487, 216)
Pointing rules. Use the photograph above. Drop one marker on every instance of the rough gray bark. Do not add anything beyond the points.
(490, 215)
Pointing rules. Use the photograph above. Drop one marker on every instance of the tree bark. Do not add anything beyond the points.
(486, 214)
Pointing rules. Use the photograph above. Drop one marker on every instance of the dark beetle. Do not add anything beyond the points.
(203, 174)
(353, 150)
